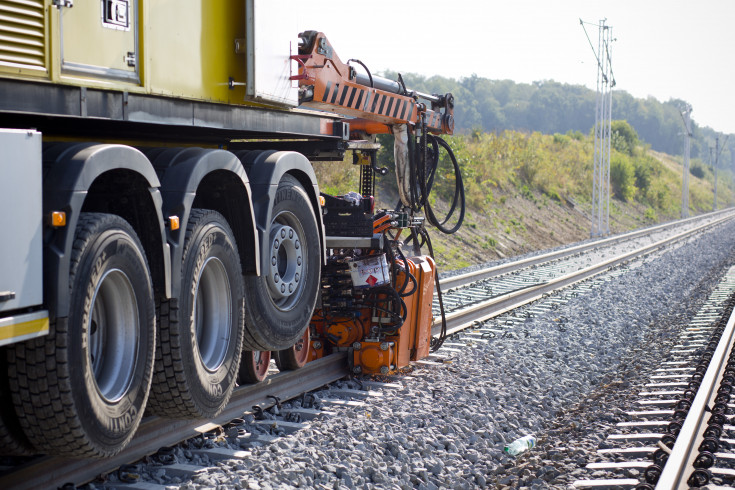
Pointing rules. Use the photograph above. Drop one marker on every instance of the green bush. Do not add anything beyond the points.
(696, 170)
(622, 177)
(645, 171)
(624, 138)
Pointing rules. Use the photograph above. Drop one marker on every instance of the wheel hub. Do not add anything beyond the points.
(285, 264)
(112, 334)
(213, 313)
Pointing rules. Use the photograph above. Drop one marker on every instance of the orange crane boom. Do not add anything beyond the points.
(326, 83)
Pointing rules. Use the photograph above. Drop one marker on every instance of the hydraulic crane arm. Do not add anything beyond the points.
(377, 103)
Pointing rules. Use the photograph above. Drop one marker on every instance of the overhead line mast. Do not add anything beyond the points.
(686, 116)
(603, 120)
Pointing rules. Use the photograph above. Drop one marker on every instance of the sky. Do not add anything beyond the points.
(663, 48)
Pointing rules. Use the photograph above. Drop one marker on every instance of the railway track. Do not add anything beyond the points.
(672, 439)
(511, 286)
(49, 472)
(475, 276)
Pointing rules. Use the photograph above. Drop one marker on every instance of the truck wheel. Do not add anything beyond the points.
(296, 356)
(82, 389)
(280, 302)
(200, 335)
(254, 366)
(13, 441)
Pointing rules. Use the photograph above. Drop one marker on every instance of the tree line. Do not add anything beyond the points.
(551, 107)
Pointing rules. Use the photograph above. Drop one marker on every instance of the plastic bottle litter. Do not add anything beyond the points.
(520, 445)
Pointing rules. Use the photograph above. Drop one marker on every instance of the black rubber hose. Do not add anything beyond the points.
(396, 315)
(410, 278)
(370, 75)
(436, 342)
(458, 198)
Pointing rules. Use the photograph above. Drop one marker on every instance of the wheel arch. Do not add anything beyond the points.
(265, 170)
(109, 178)
(209, 179)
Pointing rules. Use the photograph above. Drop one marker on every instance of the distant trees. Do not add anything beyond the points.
(552, 107)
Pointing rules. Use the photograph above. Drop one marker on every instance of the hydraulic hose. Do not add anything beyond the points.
(458, 197)
(423, 162)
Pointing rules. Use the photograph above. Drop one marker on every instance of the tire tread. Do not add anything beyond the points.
(170, 391)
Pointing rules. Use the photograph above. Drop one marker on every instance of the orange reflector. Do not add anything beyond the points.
(322, 201)
(173, 222)
(58, 219)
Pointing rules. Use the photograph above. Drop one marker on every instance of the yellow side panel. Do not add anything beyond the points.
(99, 39)
(23, 36)
(189, 48)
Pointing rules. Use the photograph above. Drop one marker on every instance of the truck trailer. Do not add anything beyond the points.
(163, 228)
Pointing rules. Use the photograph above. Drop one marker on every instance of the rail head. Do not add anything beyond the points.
(679, 465)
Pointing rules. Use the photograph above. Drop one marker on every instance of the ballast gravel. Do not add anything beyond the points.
(556, 376)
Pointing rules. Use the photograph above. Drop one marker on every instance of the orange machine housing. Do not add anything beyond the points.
(412, 341)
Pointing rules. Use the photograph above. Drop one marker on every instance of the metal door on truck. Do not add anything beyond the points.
(99, 38)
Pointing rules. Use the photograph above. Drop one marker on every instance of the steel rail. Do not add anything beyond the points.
(486, 273)
(465, 318)
(679, 465)
(157, 432)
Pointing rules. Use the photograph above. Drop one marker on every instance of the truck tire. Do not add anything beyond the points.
(82, 389)
(279, 303)
(13, 442)
(200, 334)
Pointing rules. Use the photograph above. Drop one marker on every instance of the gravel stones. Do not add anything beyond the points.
(446, 427)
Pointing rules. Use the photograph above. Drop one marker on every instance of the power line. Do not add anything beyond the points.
(603, 126)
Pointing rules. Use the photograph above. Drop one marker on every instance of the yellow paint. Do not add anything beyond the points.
(185, 48)
(24, 328)
(190, 48)
(86, 41)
